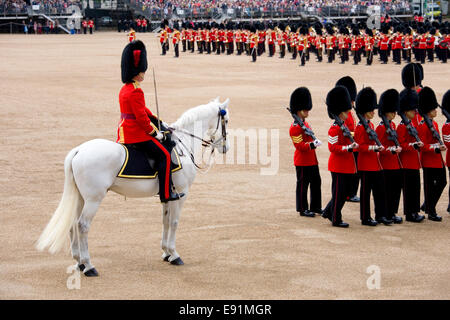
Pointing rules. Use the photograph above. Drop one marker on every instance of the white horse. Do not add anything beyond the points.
(91, 171)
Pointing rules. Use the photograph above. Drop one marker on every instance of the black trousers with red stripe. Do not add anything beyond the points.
(393, 185)
(411, 191)
(308, 177)
(434, 182)
(339, 192)
(155, 150)
(372, 182)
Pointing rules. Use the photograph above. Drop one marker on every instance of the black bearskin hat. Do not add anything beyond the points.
(389, 102)
(409, 100)
(366, 100)
(338, 100)
(427, 100)
(300, 100)
(411, 75)
(446, 101)
(134, 60)
(350, 84)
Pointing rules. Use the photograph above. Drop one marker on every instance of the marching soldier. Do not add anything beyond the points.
(305, 159)
(397, 46)
(384, 46)
(341, 163)
(144, 24)
(430, 44)
(355, 46)
(389, 157)
(434, 176)
(135, 126)
(368, 44)
(409, 156)
(131, 35)
(183, 36)
(176, 35)
(162, 40)
(350, 122)
(272, 36)
(408, 44)
(446, 133)
(302, 43)
(369, 166)
(253, 43)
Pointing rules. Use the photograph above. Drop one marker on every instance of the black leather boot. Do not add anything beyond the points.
(172, 197)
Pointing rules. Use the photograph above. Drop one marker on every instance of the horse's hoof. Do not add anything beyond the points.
(81, 267)
(166, 258)
(91, 273)
(177, 262)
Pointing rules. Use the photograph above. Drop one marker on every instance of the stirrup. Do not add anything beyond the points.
(173, 196)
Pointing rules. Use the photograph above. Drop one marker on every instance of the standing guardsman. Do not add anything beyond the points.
(368, 45)
(183, 36)
(253, 43)
(176, 35)
(446, 132)
(305, 159)
(341, 163)
(409, 157)
(91, 25)
(135, 125)
(389, 158)
(350, 123)
(84, 23)
(434, 176)
(369, 166)
(131, 35)
(162, 40)
(301, 45)
(412, 75)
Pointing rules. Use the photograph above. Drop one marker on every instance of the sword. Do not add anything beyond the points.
(156, 100)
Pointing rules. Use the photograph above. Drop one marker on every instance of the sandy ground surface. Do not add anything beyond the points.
(239, 234)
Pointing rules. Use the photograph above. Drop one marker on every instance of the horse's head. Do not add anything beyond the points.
(217, 126)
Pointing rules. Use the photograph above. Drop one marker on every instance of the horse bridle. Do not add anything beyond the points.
(205, 143)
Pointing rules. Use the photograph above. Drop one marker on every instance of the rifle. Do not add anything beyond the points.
(372, 134)
(411, 130)
(302, 125)
(392, 135)
(430, 126)
(343, 127)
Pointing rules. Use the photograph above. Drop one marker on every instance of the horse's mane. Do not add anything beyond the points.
(195, 114)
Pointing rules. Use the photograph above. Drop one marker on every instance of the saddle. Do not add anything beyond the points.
(138, 165)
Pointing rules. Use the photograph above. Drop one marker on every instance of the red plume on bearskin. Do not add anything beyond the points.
(134, 60)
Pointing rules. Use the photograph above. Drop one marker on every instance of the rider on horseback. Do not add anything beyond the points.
(135, 126)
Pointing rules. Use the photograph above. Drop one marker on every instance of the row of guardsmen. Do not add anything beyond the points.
(385, 160)
(421, 41)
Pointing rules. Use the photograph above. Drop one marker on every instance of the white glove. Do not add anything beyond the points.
(159, 136)
(317, 143)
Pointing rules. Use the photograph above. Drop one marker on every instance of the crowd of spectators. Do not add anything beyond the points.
(47, 6)
(247, 7)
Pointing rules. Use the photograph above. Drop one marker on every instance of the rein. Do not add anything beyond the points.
(206, 143)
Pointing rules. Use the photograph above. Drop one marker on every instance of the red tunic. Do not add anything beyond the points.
(135, 125)
(446, 139)
(388, 160)
(340, 161)
(409, 156)
(428, 157)
(367, 159)
(304, 155)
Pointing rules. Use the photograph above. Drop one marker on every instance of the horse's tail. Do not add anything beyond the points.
(55, 233)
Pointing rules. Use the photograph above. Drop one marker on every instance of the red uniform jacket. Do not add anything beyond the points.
(428, 157)
(409, 156)
(446, 139)
(368, 160)
(340, 161)
(135, 125)
(388, 160)
(304, 155)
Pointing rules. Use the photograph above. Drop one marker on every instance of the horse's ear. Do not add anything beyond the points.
(225, 104)
(217, 99)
